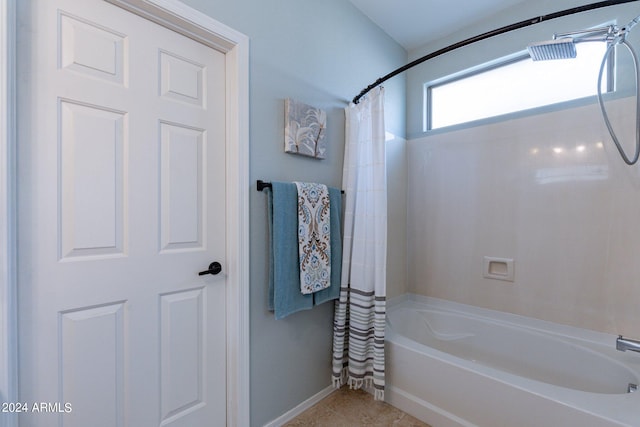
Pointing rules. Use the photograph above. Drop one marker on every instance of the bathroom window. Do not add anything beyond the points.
(514, 85)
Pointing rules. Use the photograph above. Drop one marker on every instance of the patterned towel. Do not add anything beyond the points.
(314, 236)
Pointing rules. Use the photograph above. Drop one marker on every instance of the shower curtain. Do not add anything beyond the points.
(359, 319)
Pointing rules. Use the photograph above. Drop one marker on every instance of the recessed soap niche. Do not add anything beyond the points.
(498, 268)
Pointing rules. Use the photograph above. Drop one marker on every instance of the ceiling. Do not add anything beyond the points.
(415, 22)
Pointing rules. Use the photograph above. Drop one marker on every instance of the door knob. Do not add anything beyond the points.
(214, 268)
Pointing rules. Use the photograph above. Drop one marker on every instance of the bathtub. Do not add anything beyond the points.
(451, 364)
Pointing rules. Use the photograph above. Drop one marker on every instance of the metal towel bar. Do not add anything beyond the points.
(261, 185)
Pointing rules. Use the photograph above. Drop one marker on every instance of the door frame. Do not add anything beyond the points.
(196, 25)
(8, 282)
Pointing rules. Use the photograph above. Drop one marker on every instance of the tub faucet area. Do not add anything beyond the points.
(624, 344)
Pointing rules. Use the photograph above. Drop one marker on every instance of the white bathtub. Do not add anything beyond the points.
(451, 364)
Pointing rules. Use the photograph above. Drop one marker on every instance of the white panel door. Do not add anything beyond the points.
(121, 204)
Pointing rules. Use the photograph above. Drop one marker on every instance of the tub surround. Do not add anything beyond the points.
(547, 190)
(396, 150)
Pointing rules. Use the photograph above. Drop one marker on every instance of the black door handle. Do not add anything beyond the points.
(214, 268)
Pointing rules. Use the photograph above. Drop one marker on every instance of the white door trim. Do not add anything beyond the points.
(183, 19)
(8, 283)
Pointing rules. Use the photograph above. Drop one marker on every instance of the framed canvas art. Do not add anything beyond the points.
(304, 129)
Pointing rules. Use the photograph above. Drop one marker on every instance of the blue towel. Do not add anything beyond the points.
(285, 297)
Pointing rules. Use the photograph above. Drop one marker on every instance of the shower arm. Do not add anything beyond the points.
(607, 34)
(498, 31)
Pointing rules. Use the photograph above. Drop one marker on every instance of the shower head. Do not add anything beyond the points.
(563, 48)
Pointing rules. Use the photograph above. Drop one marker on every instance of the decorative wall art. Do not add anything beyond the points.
(304, 129)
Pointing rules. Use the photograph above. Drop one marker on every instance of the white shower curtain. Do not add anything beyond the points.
(359, 320)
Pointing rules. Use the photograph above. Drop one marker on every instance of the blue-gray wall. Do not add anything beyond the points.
(322, 53)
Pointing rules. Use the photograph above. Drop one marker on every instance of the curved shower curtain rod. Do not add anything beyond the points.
(488, 34)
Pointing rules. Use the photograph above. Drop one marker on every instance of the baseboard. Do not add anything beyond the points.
(424, 411)
(291, 414)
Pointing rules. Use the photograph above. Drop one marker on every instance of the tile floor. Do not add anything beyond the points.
(353, 408)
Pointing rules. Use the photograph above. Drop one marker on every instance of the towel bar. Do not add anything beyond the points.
(261, 185)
